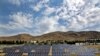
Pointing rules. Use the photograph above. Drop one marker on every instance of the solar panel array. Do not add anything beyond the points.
(57, 50)
(68, 50)
(32, 50)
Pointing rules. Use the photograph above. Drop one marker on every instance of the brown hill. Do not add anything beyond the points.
(56, 36)
(22, 37)
(70, 36)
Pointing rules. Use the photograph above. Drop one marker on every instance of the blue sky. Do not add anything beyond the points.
(37, 17)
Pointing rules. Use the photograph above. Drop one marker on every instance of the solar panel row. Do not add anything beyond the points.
(45, 50)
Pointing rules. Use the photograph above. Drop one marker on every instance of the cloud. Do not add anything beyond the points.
(20, 19)
(48, 24)
(37, 7)
(76, 15)
(15, 2)
(74, 4)
(19, 2)
(72, 11)
(19, 22)
(48, 11)
(79, 13)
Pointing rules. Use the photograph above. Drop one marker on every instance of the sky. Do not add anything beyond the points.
(37, 17)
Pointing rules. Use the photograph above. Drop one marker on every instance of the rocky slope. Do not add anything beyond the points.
(56, 36)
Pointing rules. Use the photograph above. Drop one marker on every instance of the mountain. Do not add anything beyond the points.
(69, 36)
(22, 37)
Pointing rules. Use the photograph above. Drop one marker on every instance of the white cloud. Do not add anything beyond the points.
(37, 7)
(20, 20)
(79, 15)
(19, 23)
(47, 24)
(19, 2)
(73, 4)
(15, 2)
(48, 11)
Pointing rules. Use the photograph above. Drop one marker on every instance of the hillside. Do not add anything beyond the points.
(56, 36)
(23, 37)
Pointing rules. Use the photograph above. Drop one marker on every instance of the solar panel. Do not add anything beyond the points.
(46, 50)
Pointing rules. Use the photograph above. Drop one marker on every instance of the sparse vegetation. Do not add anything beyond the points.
(50, 42)
(12, 42)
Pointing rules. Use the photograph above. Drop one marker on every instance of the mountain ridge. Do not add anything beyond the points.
(70, 36)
